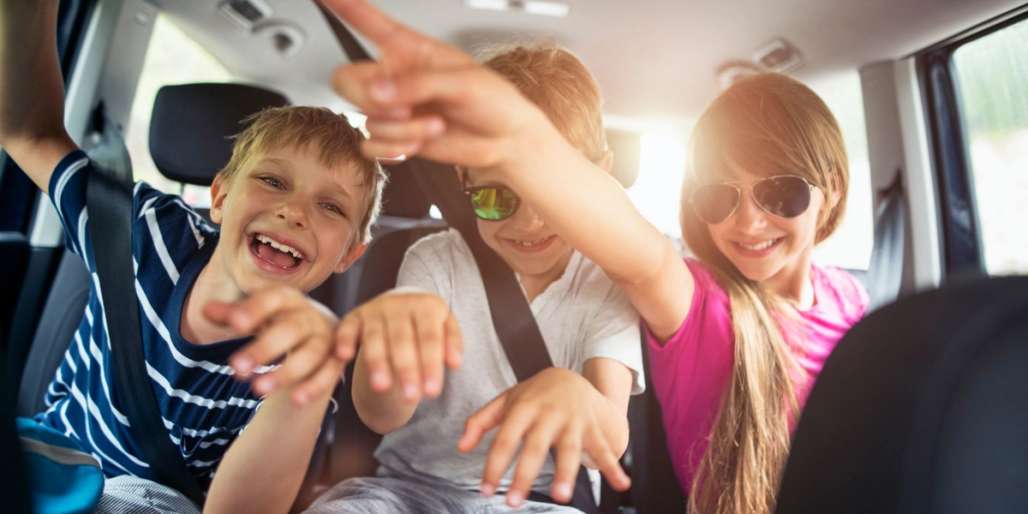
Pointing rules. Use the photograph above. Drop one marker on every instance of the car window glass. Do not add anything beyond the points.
(992, 79)
(662, 165)
(172, 58)
(851, 244)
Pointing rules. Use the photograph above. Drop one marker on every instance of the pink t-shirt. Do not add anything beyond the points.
(690, 372)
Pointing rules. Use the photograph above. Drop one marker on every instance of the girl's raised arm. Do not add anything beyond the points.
(426, 98)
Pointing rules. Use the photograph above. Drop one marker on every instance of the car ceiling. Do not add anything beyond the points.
(654, 59)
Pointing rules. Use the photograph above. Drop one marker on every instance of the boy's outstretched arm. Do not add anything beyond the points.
(426, 98)
(264, 468)
(31, 89)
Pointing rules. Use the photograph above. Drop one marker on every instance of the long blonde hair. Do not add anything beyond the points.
(767, 124)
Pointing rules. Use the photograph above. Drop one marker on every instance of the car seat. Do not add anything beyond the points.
(922, 408)
(883, 277)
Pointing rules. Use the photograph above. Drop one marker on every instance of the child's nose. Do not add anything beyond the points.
(749, 214)
(527, 219)
(292, 214)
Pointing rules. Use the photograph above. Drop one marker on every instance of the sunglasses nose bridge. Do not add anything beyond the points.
(748, 212)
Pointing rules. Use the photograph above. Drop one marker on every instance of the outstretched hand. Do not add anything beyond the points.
(407, 340)
(557, 408)
(285, 323)
(424, 97)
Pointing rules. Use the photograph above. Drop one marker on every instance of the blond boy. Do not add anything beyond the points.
(294, 206)
(408, 335)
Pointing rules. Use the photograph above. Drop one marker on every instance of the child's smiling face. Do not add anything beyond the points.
(287, 218)
(760, 245)
(524, 241)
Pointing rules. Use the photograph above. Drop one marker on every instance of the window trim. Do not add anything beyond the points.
(962, 247)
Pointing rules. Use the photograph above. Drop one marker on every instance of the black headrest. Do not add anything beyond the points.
(192, 124)
(403, 196)
(923, 407)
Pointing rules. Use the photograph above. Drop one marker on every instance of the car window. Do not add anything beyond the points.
(172, 58)
(992, 77)
(657, 189)
(851, 244)
(663, 157)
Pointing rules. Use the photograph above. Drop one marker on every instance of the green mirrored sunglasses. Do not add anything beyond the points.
(493, 203)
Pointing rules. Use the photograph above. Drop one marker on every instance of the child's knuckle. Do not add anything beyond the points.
(504, 442)
(536, 444)
(569, 445)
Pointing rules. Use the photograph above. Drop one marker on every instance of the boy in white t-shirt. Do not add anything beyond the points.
(578, 408)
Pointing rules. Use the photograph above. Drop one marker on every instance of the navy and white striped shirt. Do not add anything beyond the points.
(203, 407)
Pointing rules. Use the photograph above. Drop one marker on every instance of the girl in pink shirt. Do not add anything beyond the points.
(734, 357)
(736, 336)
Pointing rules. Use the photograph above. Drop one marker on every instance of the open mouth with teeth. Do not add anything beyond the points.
(274, 254)
(532, 246)
(760, 248)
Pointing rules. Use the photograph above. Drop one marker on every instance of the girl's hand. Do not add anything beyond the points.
(427, 98)
(286, 323)
(405, 338)
(557, 408)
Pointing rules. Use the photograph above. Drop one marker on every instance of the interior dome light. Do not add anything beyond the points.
(539, 7)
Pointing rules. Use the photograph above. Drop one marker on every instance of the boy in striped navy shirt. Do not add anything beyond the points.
(293, 206)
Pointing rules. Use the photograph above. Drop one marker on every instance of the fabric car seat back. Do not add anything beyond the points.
(922, 408)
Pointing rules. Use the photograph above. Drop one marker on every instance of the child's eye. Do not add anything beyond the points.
(272, 181)
(333, 208)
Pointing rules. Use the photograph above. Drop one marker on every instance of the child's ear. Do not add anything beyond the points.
(218, 194)
(355, 253)
(831, 202)
(834, 199)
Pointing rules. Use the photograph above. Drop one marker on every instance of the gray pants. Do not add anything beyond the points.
(134, 495)
(389, 495)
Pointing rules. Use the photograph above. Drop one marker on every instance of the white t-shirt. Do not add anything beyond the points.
(581, 316)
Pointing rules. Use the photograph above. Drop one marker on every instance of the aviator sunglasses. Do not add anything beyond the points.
(785, 196)
(492, 203)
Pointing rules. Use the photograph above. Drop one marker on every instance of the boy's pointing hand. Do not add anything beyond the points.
(285, 323)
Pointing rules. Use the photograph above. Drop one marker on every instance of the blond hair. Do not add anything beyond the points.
(337, 143)
(557, 82)
(767, 124)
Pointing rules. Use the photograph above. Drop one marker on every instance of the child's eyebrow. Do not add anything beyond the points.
(273, 160)
(338, 189)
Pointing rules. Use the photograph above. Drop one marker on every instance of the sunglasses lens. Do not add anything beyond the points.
(715, 202)
(493, 203)
(787, 197)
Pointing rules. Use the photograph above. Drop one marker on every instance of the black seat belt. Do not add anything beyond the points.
(109, 203)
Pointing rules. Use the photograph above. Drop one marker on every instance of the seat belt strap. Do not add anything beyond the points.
(109, 203)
